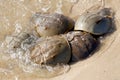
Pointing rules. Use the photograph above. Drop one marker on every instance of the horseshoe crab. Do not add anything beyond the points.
(81, 41)
(82, 44)
(96, 22)
(43, 50)
(51, 50)
(51, 24)
(48, 56)
(65, 48)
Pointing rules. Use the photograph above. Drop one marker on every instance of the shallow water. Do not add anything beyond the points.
(14, 18)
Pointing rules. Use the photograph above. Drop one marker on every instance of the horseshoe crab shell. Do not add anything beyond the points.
(51, 24)
(33, 51)
(51, 50)
(82, 44)
(97, 23)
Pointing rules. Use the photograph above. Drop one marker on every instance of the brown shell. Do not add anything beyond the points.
(51, 50)
(82, 44)
(51, 24)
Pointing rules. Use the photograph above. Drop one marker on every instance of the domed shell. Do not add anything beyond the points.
(82, 44)
(51, 24)
(96, 23)
(51, 50)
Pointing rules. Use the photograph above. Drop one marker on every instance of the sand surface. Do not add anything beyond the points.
(103, 65)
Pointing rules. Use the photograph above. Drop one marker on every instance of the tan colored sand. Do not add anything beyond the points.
(104, 64)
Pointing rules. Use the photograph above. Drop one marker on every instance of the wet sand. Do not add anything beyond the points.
(103, 65)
